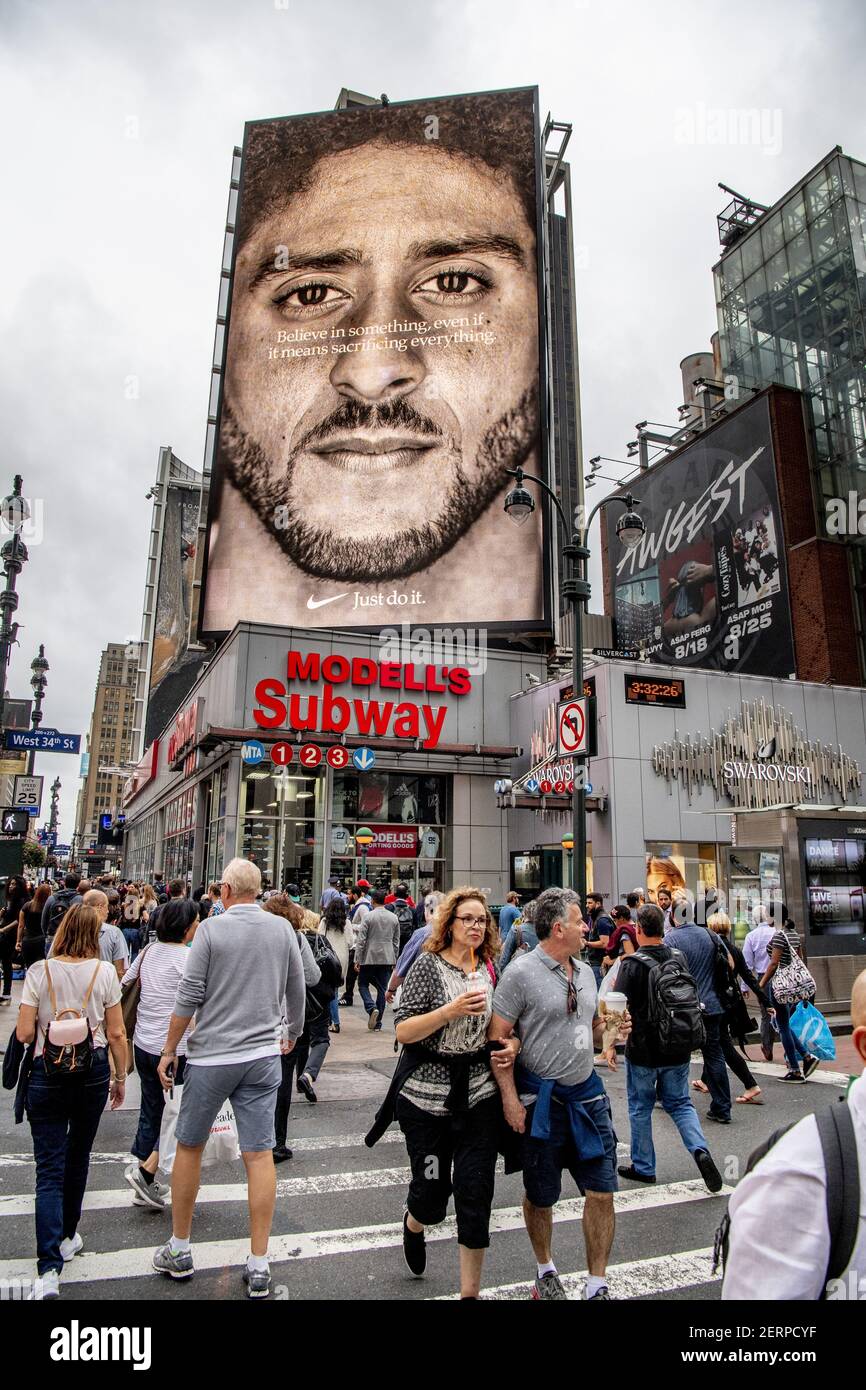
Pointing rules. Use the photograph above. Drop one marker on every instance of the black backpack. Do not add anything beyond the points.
(406, 917)
(327, 961)
(59, 908)
(841, 1165)
(674, 1009)
(724, 980)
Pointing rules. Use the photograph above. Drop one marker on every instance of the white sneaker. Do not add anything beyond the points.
(70, 1248)
(47, 1285)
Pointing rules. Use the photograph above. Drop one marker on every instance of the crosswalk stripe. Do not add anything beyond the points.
(632, 1279)
(135, 1263)
(824, 1078)
(315, 1144)
(323, 1184)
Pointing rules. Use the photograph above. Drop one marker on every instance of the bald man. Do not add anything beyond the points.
(779, 1240)
(112, 942)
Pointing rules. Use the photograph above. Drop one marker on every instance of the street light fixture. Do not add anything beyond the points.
(364, 837)
(39, 666)
(15, 512)
(576, 590)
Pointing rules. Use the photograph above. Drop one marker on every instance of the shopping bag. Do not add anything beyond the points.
(222, 1145)
(167, 1141)
(812, 1031)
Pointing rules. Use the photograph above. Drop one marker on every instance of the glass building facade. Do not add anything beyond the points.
(791, 304)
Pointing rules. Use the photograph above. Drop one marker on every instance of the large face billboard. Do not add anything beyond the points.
(707, 585)
(382, 371)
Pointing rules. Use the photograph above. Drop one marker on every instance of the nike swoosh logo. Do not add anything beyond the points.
(320, 602)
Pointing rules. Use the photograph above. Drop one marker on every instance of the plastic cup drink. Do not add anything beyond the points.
(476, 981)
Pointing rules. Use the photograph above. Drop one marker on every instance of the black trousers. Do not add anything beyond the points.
(453, 1154)
(7, 947)
(284, 1096)
(734, 1060)
(351, 979)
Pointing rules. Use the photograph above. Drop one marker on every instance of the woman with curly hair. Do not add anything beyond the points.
(443, 1094)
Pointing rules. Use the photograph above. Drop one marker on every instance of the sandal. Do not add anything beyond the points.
(756, 1099)
(701, 1086)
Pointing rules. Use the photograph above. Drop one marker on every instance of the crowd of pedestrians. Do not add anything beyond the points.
(230, 997)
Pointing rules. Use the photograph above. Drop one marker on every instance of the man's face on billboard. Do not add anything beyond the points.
(370, 463)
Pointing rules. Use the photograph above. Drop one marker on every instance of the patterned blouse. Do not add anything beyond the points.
(431, 983)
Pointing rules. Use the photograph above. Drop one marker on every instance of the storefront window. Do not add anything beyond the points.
(835, 872)
(140, 851)
(408, 813)
(681, 865)
(282, 816)
(178, 836)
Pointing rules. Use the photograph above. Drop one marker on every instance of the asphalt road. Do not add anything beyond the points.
(336, 1232)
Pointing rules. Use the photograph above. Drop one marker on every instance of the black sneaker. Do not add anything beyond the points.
(719, 1119)
(305, 1086)
(282, 1154)
(793, 1076)
(633, 1175)
(414, 1250)
(709, 1172)
(809, 1065)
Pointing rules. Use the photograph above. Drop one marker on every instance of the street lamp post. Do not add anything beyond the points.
(568, 846)
(39, 666)
(364, 837)
(15, 513)
(519, 504)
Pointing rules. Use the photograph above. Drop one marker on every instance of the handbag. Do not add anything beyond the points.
(129, 999)
(793, 983)
(68, 1046)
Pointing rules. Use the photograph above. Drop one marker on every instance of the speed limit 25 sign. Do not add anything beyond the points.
(27, 795)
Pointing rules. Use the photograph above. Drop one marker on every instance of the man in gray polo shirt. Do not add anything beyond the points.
(553, 1096)
(242, 975)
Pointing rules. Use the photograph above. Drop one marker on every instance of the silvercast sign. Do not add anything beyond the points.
(763, 772)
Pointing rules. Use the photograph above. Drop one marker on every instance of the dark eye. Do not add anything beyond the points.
(452, 281)
(311, 294)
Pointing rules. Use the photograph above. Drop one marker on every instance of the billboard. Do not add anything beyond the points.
(707, 584)
(383, 371)
(174, 667)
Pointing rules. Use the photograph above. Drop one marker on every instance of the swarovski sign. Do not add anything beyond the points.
(762, 772)
(758, 759)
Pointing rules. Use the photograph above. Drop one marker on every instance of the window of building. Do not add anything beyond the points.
(694, 867)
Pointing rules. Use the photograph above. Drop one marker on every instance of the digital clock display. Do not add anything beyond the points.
(640, 690)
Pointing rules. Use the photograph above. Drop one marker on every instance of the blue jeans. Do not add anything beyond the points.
(152, 1101)
(792, 1046)
(715, 1070)
(670, 1085)
(378, 976)
(334, 1007)
(64, 1115)
(133, 941)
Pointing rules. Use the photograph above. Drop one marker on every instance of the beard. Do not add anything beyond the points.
(395, 554)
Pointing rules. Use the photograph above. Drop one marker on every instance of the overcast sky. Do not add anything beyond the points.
(119, 120)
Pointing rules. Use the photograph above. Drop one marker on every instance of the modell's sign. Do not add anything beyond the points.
(183, 733)
(387, 704)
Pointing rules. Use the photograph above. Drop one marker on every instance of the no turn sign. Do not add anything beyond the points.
(572, 723)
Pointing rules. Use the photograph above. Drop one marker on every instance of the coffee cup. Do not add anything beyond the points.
(614, 1003)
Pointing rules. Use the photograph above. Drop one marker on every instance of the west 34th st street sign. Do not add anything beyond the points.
(43, 740)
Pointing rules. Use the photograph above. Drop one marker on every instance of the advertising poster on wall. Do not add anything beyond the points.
(707, 583)
(382, 372)
(174, 667)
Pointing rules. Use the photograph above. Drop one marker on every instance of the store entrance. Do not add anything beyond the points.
(420, 875)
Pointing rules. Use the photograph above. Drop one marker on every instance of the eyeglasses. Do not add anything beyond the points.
(571, 997)
(473, 921)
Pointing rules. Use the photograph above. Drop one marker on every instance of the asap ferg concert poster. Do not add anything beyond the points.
(382, 371)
